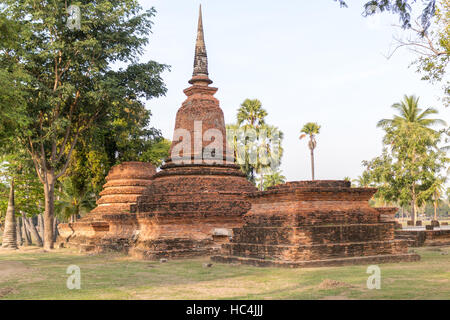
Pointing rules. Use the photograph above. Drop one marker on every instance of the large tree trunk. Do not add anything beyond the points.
(34, 234)
(49, 196)
(9, 235)
(19, 232)
(312, 163)
(25, 231)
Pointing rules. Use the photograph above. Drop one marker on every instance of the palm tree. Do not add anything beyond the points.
(73, 202)
(410, 116)
(435, 193)
(363, 181)
(273, 179)
(250, 117)
(411, 113)
(311, 129)
(269, 151)
(10, 235)
(251, 113)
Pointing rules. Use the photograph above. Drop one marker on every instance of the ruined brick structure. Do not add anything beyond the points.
(124, 184)
(200, 199)
(315, 223)
(197, 198)
(419, 238)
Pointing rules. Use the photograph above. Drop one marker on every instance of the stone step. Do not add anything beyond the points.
(322, 234)
(314, 252)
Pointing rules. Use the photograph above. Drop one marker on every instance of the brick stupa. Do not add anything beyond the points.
(313, 224)
(197, 198)
(125, 182)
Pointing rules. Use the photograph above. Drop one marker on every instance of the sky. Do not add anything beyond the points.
(307, 61)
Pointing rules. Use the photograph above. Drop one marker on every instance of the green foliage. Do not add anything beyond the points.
(257, 145)
(251, 114)
(411, 160)
(433, 61)
(28, 190)
(363, 181)
(74, 200)
(12, 102)
(68, 88)
(311, 128)
(273, 179)
(410, 113)
(70, 85)
(121, 136)
(400, 7)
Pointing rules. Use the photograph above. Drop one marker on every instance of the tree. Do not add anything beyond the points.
(311, 129)
(251, 114)
(400, 7)
(410, 113)
(9, 235)
(28, 193)
(434, 193)
(411, 157)
(73, 201)
(363, 181)
(431, 46)
(70, 84)
(121, 136)
(256, 145)
(12, 102)
(273, 179)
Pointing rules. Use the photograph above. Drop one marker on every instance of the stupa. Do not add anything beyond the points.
(314, 224)
(194, 202)
(124, 183)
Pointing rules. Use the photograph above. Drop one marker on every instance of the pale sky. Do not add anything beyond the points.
(305, 60)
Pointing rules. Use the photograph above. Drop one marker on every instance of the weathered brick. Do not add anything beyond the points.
(315, 223)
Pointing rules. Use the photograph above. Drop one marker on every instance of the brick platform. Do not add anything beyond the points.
(419, 238)
(315, 223)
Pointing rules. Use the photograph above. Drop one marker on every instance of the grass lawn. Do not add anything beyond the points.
(31, 273)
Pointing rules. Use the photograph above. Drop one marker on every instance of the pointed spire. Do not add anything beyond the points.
(201, 58)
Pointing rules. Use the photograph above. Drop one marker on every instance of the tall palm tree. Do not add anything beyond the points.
(411, 113)
(411, 116)
(311, 129)
(251, 113)
(250, 118)
(9, 235)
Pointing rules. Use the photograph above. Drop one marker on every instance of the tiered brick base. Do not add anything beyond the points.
(185, 209)
(315, 223)
(419, 238)
(97, 231)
